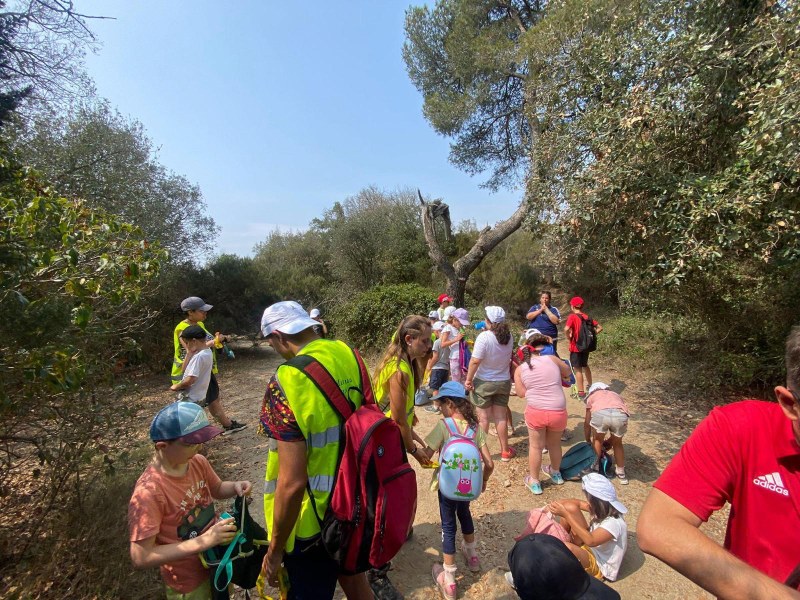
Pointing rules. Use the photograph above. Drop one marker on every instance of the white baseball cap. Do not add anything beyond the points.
(286, 317)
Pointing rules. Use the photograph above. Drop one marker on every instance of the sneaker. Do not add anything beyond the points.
(508, 454)
(545, 451)
(623, 478)
(233, 427)
(448, 590)
(566, 436)
(432, 408)
(380, 584)
(555, 476)
(533, 485)
(473, 562)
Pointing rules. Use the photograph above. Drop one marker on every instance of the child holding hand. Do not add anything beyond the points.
(454, 404)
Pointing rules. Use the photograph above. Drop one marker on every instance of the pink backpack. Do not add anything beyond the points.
(541, 521)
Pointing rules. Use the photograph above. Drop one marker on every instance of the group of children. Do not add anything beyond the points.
(600, 541)
(175, 494)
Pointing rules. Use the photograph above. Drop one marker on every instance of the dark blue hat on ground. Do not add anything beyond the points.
(543, 568)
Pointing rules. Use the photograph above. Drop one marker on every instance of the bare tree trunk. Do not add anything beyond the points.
(458, 273)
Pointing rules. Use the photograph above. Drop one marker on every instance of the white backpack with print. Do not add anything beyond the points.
(461, 467)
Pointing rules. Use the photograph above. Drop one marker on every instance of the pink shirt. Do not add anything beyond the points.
(601, 399)
(542, 381)
(175, 509)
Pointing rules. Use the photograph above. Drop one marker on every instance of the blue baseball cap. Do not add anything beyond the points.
(452, 389)
(185, 421)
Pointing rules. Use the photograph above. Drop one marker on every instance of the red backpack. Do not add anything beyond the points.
(374, 498)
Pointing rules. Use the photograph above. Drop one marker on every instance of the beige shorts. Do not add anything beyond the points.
(490, 393)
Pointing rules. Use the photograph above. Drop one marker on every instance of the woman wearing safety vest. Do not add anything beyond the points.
(399, 376)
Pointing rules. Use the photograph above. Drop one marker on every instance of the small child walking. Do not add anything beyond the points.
(600, 543)
(454, 404)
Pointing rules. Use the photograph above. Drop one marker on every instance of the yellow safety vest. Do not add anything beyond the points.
(180, 351)
(382, 389)
(321, 428)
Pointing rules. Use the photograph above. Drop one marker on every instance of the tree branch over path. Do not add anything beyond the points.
(458, 273)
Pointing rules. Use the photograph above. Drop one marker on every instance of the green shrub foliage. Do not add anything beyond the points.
(368, 320)
(73, 283)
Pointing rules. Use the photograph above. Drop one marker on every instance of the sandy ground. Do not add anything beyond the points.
(655, 433)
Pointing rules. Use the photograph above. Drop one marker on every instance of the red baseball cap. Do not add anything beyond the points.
(443, 297)
(576, 301)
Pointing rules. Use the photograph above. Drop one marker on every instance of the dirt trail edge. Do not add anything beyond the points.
(500, 512)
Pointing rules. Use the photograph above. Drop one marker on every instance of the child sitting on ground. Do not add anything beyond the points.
(454, 403)
(606, 412)
(599, 544)
(171, 513)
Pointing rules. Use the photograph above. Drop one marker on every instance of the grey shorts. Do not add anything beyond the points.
(490, 393)
(610, 420)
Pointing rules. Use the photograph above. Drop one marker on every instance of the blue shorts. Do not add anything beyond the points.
(438, 378)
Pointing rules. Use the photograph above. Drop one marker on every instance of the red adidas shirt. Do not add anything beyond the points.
(745, 454)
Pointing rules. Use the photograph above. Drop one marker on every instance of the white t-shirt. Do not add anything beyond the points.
(495, 358)
(451, 335)
(609, 555)
(199, 366)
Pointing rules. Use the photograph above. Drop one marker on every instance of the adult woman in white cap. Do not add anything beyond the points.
(489, 377)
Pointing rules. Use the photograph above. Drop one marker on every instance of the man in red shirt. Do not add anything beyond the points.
(746, 454)
(579, 360)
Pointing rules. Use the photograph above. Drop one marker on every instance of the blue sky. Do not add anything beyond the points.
(278, 109)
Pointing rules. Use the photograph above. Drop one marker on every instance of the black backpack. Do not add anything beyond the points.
(587, 335)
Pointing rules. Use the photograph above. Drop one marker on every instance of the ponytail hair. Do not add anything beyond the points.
(397, 350)
(465, 407)
(501, 332)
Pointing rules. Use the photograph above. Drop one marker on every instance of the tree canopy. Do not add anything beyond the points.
(658, 137)
(96, 154)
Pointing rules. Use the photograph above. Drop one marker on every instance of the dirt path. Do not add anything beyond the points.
(501, 511)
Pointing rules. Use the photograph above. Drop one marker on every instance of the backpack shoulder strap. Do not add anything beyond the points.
(366, 382)
(325, 383)
(451, 426)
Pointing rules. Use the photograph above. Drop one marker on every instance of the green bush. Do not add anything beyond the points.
(370, 318)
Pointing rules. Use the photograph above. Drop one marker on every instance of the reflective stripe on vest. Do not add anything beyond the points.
(318, 483)
(321, 428)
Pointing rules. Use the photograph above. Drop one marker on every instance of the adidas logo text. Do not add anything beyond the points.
(772, 482)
